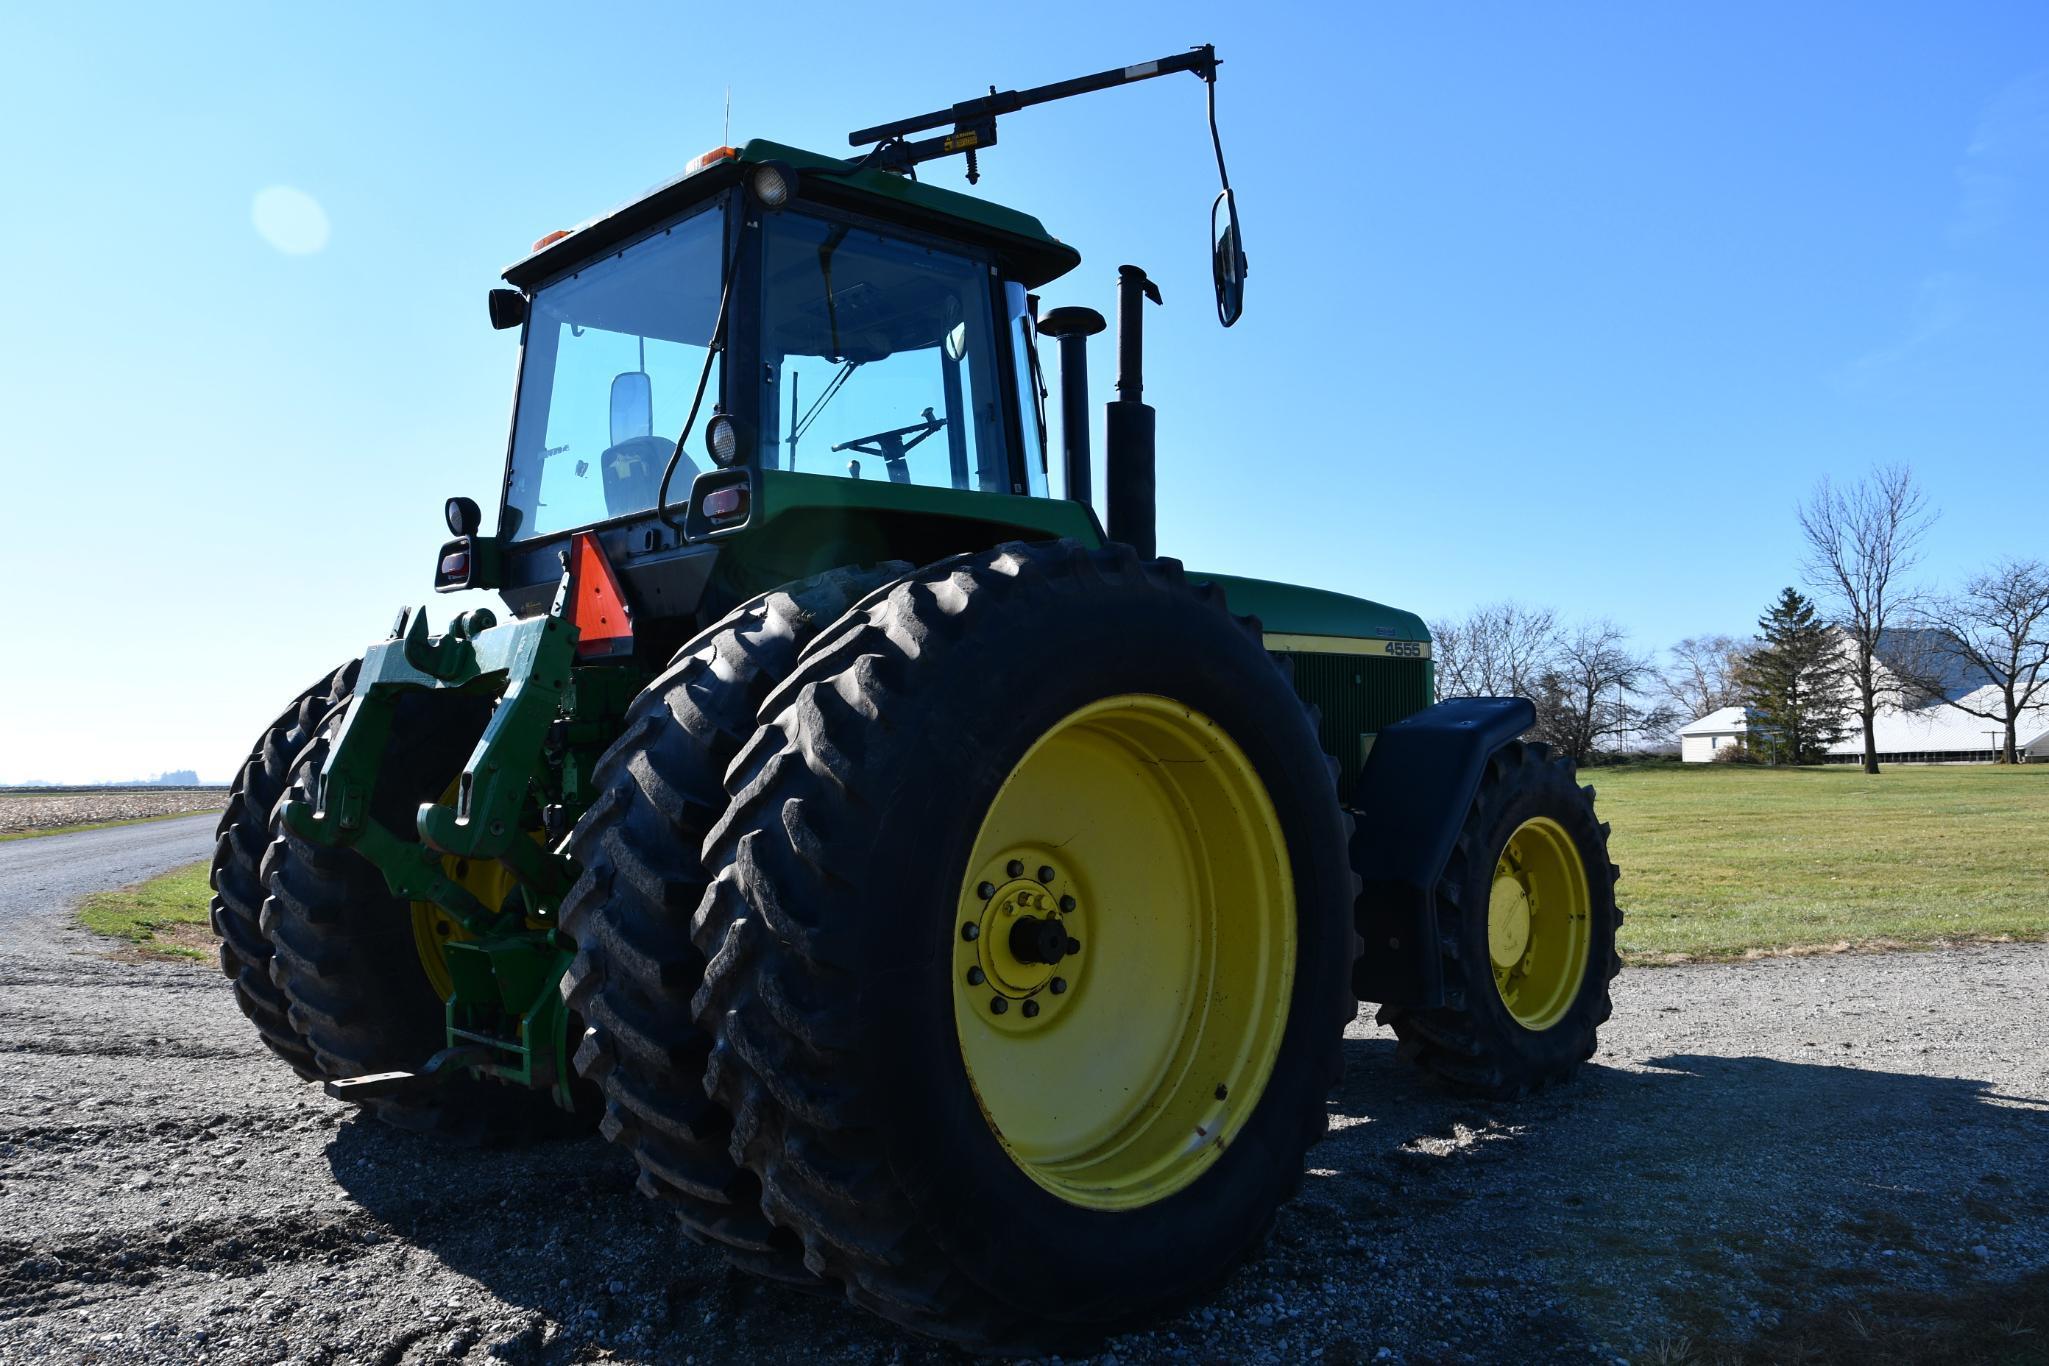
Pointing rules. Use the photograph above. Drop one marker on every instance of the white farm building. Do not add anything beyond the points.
(1934, 733)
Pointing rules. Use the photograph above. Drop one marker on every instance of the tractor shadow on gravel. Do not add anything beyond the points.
(558, 1231)
(1713, 1199)
(1700, 1199)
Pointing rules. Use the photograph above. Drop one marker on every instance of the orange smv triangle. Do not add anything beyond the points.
(597, 607)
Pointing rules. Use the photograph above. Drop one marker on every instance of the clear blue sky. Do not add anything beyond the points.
(1563, 302)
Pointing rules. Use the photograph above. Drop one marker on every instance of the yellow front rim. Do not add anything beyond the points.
(1124, 952)
(1539, 923)
(489, 881)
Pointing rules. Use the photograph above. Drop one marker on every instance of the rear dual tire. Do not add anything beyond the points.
(240, 842)
(850, 863)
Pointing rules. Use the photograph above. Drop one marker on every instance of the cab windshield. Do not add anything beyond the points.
(881, 360)
(613, 355)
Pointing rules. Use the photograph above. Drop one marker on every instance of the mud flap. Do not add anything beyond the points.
(1412, 800)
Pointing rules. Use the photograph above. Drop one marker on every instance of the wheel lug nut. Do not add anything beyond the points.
(1067, 904)
(986, 890)
(975, 978)
(1045, 873)
(1016, 868)
(997, 1005)
(971, 931)
(1031, 1009)
(1074, 946)
(1057, 985)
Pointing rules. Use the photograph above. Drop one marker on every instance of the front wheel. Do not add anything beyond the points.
(1029, 946)
(361, 969)
(1527, 922)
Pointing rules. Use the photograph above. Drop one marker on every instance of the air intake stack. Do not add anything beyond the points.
(1072, 328)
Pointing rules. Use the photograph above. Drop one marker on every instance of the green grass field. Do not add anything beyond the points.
(1720, 861)
(164, 916)
(1717, 862)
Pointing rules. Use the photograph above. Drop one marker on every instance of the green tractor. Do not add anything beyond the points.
(947, 902)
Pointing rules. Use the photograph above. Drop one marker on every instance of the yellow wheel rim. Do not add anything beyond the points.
(1124, 952)
(1539, 923)
(490, 882)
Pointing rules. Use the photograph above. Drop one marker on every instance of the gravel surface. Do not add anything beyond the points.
(1754, 1139)
(35, 810)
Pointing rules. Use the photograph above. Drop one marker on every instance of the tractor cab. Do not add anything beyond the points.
(841, 347)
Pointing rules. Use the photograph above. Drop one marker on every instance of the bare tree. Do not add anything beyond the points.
(1588, 700)
(1998, 629)
(1499, 650)
(1704, 675)
(1861, 542)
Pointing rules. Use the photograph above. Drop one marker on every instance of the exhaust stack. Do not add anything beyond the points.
(1128, 432)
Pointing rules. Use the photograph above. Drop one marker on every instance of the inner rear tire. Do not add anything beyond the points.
(661, 786)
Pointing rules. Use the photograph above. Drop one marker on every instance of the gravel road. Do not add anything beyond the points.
(1754, 1139)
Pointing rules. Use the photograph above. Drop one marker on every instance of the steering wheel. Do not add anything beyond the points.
(632, 472)
(894, 444)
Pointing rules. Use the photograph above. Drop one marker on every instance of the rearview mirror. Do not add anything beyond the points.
(1227, 257)
(633, 406)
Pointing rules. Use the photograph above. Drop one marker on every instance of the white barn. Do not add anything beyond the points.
(1716, 731)
(1934, 734)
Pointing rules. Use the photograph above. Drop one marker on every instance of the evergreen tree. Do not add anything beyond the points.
(1794, 685)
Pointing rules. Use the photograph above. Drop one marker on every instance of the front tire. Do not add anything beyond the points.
(1040, 763)
(347, 958)
(1527, 921)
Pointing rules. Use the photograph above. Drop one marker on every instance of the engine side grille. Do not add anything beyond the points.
(1358, 695)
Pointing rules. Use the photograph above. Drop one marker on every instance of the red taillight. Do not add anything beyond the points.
(722, 505)
(455, 564)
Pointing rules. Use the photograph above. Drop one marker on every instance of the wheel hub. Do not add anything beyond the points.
(1020, 951)
(1508, 922)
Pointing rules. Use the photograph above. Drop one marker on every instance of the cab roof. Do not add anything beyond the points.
(1027, 252)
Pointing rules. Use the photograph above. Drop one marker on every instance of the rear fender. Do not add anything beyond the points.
(1418, 784)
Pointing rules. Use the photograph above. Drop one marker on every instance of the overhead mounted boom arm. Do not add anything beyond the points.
(974, 121)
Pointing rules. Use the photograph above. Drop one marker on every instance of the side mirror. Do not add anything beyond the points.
(1227, 258)
(633, 406)
(508, 308)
